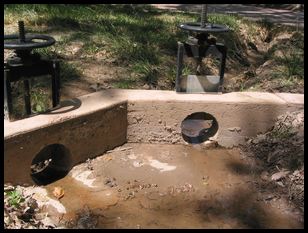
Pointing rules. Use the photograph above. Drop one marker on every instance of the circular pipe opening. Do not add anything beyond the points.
(52, 163)
(199, 127)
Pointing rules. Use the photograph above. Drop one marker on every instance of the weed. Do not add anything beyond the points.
(15, 198)
(294, 63)
(69, 71)
(146, 72)
(231, 21)
(282, 132)
(187, 70)
(242, 87)
(40, 100)
(127, 83)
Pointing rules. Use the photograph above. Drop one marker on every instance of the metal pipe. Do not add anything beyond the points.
(179, 67)
(204, 15)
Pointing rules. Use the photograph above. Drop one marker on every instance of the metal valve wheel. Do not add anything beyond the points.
(26, 42)
(30, 42)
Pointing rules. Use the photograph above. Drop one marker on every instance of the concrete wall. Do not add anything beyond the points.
(110, 118)
(239, 115)
(86, 137)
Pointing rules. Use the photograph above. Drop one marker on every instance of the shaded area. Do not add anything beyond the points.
(280, 155)
(53, 162)
(67, 106)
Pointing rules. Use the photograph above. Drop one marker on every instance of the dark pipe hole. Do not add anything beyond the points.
(52, 163)
(199, 127)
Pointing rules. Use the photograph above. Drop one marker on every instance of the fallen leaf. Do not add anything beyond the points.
(58, 192)
(279, 175)
(107, 158)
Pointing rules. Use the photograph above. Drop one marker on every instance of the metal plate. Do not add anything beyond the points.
(209, 28)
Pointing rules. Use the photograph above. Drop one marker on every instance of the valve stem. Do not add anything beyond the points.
(21, 28)
(204, 15)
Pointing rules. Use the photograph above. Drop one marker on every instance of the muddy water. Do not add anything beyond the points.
(169, 186)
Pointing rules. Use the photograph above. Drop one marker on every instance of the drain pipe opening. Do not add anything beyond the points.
(52, 163)
(199, 127)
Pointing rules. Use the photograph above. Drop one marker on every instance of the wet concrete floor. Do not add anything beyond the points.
(169, 186)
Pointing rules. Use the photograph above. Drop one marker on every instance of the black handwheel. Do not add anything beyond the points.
(31, 41)
(209, 27)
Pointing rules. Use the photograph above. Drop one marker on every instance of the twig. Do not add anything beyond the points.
(121, 149)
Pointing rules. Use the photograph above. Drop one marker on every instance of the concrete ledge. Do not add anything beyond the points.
(85, 135)
(157, 117)
(107, 119)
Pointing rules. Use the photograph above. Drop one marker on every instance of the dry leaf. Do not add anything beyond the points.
(58, 192)
(107, 158)
(279, 175)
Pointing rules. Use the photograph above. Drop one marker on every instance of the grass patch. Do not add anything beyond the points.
(292, 63)
(140, 38)
(146, 72)
(288, 55)
(69, 70)
(128, 83)
(15, 198)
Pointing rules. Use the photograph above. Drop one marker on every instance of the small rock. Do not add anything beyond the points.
(168, 128)
(259, 138)
(280, 184)
(146, 86)
(236, 129)
(107, 181)
(174, 141)
(264, 175)
(95, 87)
(269, 197)
(138, 118)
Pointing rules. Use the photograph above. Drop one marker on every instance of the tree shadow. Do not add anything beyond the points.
(239, 206)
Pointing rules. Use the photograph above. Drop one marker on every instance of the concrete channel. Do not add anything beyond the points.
(90, 125)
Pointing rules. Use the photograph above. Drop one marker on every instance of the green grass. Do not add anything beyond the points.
(290, 59)
(15, 198)
(128, 83)
(40, 100)
(293, 64)
(140, 38)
